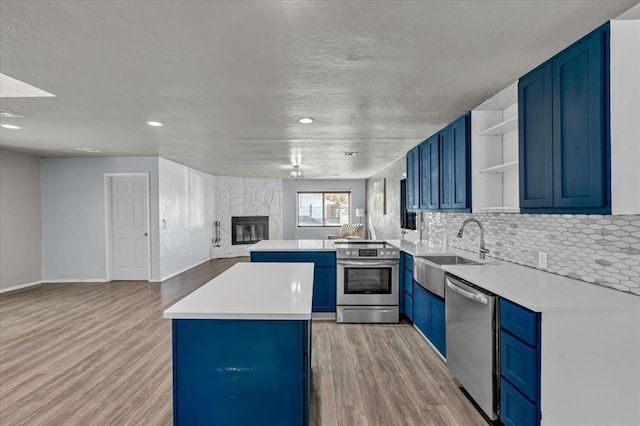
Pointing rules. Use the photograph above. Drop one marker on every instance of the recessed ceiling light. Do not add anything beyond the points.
(9, 126)
(155, 123)
(92, 150)
(305, 120)
(350, 153)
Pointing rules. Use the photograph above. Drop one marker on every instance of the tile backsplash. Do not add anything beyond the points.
(603, 250)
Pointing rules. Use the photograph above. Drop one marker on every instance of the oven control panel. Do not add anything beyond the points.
(367, 253)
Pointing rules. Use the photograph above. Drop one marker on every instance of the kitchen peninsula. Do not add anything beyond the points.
(241, 347)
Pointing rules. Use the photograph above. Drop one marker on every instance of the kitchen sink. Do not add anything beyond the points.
(428, 273)
(450, 260)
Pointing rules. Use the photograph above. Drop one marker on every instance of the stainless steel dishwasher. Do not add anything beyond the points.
(471, 341)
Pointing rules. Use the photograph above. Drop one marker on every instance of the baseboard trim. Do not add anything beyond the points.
(74, 280)
(182, 270)
(20, 286)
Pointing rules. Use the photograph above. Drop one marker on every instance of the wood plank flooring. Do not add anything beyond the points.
(100, 354)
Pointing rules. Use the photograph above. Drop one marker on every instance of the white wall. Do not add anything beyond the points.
(243, 196)
(290, 189)
(625, 110)
(73, 215)
(387, 226)
(20, 223)
(186, 201)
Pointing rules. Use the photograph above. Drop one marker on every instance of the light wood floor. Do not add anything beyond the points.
(100, 354)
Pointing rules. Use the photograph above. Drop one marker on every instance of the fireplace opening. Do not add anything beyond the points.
(249, 229)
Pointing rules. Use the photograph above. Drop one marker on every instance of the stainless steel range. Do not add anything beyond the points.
(367, 282)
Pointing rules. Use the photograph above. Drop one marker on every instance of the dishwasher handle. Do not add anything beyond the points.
(469, 295)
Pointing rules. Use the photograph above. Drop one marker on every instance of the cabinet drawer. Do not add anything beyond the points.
(515, 409)
(519, 321)
(408, 305)
(408, 261)
(319, 258)
(518, 364)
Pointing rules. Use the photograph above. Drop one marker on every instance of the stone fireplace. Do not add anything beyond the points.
(249, 229)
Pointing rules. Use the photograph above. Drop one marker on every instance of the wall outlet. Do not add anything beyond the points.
(542, 259)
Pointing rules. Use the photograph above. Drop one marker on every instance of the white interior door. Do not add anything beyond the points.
(129, 228)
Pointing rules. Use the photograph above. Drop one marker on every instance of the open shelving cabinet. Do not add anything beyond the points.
(494, 160)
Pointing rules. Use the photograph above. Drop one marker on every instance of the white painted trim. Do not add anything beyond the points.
(183, 270)
(19, 286)
(107, 220)
(74, 280)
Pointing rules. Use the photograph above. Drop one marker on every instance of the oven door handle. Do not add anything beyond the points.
(371, 264)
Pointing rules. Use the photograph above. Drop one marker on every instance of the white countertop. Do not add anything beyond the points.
(542, 291)
(293, 245)
(537, 290)
(256, 291)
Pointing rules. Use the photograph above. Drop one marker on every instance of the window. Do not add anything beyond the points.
(323, 208)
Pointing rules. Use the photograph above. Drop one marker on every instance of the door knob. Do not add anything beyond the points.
(146, 234)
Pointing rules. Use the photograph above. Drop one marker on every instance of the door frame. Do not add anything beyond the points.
(107, 222)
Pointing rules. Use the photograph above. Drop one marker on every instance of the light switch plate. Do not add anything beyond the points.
(542, 259)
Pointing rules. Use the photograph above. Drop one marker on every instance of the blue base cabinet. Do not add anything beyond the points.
(437, 326)
(240, 372)
(406, 285)
(420, 305)
(429, 317)
(324, 278)
(519, 365)
(401, 284)
(564, 137)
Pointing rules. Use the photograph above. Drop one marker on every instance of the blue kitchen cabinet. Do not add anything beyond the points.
(436, 321)
(429, 317)
(519, 365)
(516, 410)
(401, 283)
(406, 285)
(241, 372)
(413, 179)
(564, 131)
(455, 165)
(444, 168)
(324, 278)
(535, 139)
(420, 308)
(430, 173)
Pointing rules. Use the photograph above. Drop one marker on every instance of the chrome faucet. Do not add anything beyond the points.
(482, 250)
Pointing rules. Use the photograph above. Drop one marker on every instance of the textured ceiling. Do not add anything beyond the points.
(230, 79)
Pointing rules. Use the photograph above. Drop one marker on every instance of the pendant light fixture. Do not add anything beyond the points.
(296, 173)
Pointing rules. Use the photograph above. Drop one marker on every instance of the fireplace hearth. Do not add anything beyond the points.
(249, 229)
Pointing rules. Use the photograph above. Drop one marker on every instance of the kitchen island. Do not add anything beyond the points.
(241, 347)
(323, 255)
